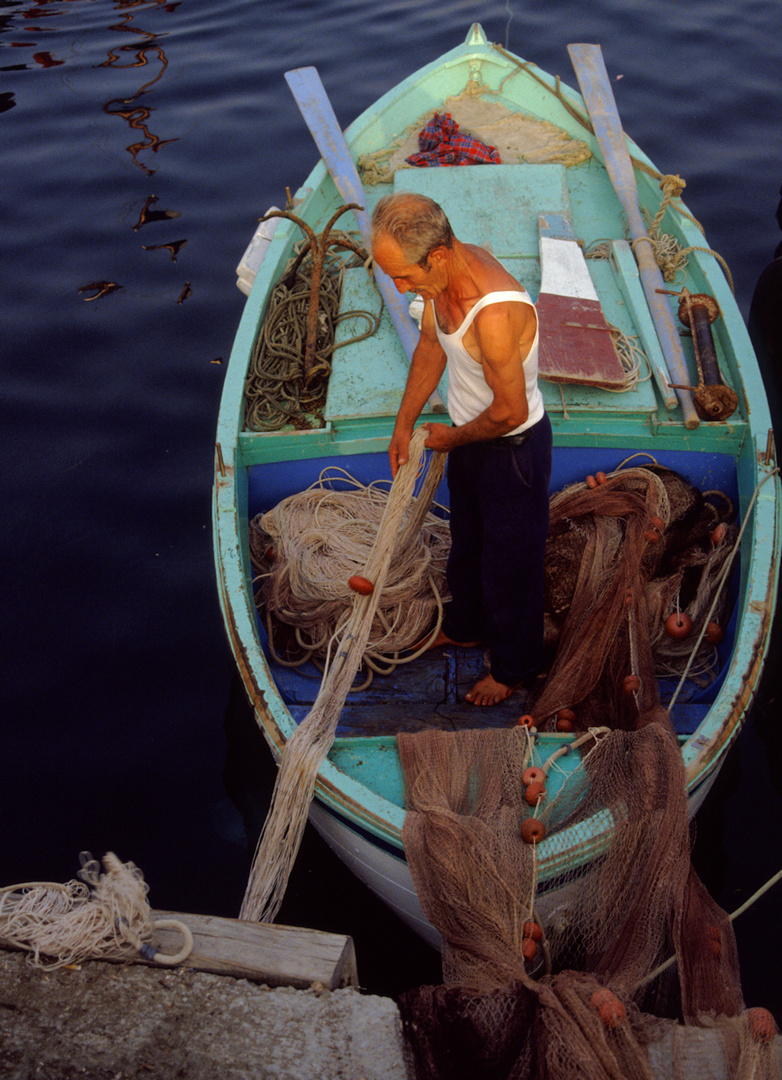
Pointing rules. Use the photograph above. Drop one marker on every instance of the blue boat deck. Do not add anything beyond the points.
(429, 693)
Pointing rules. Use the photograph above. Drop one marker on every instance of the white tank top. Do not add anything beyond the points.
(468, 392)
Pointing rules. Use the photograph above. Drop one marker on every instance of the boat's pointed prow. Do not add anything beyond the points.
(476, 36)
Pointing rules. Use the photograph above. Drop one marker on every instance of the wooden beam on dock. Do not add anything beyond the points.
(264, 952)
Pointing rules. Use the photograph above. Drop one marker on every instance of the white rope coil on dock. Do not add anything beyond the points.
(102, 916)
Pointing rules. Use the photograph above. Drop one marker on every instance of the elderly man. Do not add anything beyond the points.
(481, 322)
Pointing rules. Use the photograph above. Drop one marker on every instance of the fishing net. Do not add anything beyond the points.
(560, 974)
(480, 114)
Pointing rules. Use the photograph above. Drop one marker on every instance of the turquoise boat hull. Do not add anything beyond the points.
(359, 804)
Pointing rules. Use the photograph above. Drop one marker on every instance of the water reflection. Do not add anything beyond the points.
(174, 248)
(145, 53)
(148, 215)
(150, 52)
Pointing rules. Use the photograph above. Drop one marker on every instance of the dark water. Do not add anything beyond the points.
(140, 141)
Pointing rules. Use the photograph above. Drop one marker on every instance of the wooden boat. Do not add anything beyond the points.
(521, 210)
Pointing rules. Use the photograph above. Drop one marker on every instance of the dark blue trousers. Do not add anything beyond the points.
(499, 523)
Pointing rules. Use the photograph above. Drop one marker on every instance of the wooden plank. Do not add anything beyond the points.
(575, 338)
(263, 952)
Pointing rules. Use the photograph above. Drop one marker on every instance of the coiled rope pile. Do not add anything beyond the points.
(308, 548)
(102, 916)
(400, 524)
(276, 393)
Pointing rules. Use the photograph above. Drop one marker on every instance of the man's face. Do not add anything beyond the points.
(407, 276)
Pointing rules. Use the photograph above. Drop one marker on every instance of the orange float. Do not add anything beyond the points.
(591, 482)
(533, 774)
(563, 724)
(532, 930)
(609, 1008)
(534, 793)
(678, 625)
(714, 633)
(528, 949)
(600, 477)
(566, 714)
(526, 720)
(361, 585)
(631, 684)
(761, 1025)
(532, 830)
(719, 533)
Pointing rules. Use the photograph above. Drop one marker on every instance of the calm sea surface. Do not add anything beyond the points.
(140, 141)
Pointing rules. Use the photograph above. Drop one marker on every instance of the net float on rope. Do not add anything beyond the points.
(533, 774)
(656, 531)
(762, 1025)
(719, 533)
(528, 949)
(532, 930)
(566, 719)
(534, 793)
(527, 721)
(678, 625)
(714, 633)
(631, 684)
(600, 477)
(609, 1008)
(361, 585)
(532, 830)
(591, 482)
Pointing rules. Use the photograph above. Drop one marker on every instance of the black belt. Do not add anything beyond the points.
(510, 440)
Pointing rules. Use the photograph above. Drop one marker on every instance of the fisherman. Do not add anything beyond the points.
(481, 322)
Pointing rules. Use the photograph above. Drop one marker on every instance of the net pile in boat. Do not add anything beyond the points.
(573, 994)
(635, 586)
(307, 549)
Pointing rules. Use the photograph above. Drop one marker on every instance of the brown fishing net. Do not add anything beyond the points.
(553, 956)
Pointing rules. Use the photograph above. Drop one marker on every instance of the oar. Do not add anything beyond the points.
(315, 107)
(596, 89)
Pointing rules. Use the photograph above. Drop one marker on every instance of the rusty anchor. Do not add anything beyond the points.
(713, 399)
(318, 247)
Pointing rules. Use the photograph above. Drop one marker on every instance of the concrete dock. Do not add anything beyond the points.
(109, 1021)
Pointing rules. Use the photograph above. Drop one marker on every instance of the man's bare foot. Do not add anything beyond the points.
(443, 639)
(487, 691)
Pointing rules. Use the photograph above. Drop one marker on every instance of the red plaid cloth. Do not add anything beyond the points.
(441, 144)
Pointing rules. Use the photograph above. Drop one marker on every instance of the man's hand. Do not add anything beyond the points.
(440, 437)
(398, 448)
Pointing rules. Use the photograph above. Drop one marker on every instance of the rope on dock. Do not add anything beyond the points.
(105, 915)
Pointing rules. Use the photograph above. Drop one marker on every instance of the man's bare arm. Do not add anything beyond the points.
(426, 370)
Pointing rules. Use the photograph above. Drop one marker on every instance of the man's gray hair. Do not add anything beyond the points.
(417, 223)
